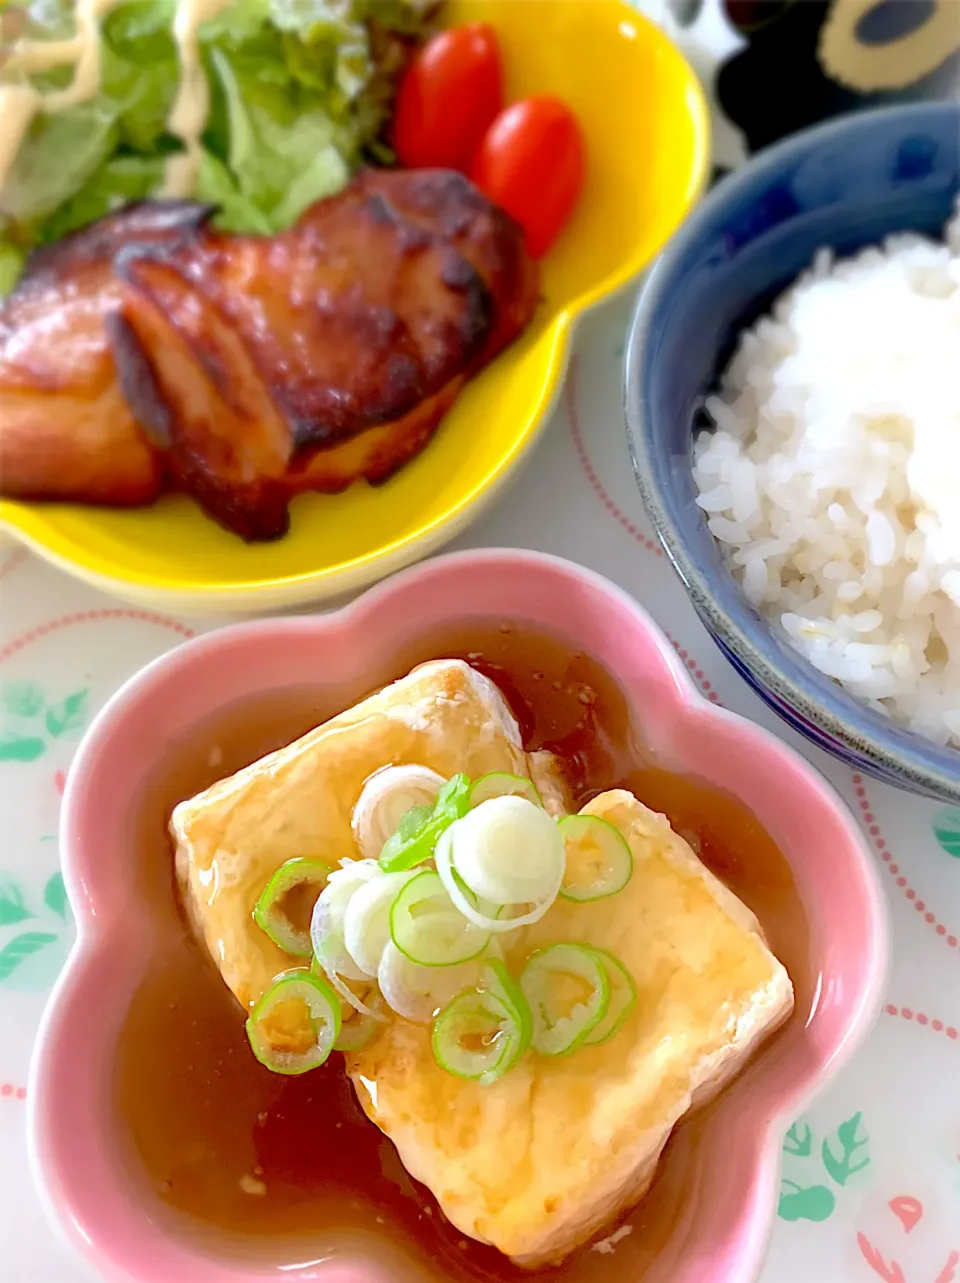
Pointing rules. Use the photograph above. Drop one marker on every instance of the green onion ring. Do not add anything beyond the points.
(602, 854)
(322, 1014)
(556, 1033)
(269, 913)
(475, 1038)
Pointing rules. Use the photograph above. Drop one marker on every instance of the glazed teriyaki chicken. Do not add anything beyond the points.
(149, 351)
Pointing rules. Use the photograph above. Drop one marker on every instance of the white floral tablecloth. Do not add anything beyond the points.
(871, 1177)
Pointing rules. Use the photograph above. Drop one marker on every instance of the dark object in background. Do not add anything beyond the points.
(807, 60)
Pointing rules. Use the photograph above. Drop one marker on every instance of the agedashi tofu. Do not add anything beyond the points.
(462, 1044)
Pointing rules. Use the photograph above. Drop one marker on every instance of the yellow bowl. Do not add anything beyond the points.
(645, 120)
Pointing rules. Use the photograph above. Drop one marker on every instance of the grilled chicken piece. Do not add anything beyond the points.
(246, 370)
(449, 205)
(264, 353)
(392, 313)
(190, 377)
(66, 430)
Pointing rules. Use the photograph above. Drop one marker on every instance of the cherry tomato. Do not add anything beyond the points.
(531, 163)
(451, 92)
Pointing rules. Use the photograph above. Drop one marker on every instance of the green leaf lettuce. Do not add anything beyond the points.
(299, 90)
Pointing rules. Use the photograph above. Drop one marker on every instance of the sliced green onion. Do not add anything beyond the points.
(291, 892)
(356, 1033)
(568, 991)
(497, 912)
(407, 847)
(426, 927)
(366, 922)
(476, 1037)
(496, 919)
(329, 917)
(481, 913)
(623, 997)
(417, 993)
(387, 797)
(503, 784)
(357, 1030)
(509, 851)
(420, 829)
(495, 979)
(321, 968)
(295, 1024)
(453, 800)
(599, 862)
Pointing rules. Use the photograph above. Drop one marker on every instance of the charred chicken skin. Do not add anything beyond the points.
(150, 349)
(66, 429)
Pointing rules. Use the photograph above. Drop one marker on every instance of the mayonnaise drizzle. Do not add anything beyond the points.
(86, 76)
(188, 116)
(82, 52)
(18, 106)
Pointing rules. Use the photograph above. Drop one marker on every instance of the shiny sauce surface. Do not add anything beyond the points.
(286, 1170)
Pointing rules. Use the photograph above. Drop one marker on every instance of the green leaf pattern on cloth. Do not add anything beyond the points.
(798, 1141)
(20, 948)
(36, 926)
(69, 715)
(23, 699)
(946, 829)
(31, 956)
(812, 1203)
(20, 748)
(849, 1162)
(12, 907)
(30, 960)
(843, 1154)
(55, 897)
(30, 723)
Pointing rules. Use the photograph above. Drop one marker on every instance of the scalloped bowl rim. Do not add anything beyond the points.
(101, 932)
(790, 678)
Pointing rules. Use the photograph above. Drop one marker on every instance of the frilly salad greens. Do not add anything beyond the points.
(299, 92)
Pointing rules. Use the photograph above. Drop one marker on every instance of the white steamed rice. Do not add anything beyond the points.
(832, 480)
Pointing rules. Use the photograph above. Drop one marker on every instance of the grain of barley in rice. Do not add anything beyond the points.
(831, 478)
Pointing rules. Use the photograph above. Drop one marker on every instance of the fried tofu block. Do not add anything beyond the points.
(66, 430)
(539, 1161)
(232, 838)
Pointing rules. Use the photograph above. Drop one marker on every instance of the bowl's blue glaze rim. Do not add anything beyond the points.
(813, 704)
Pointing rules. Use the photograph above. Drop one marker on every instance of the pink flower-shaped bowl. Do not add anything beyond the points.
(76, 1134)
